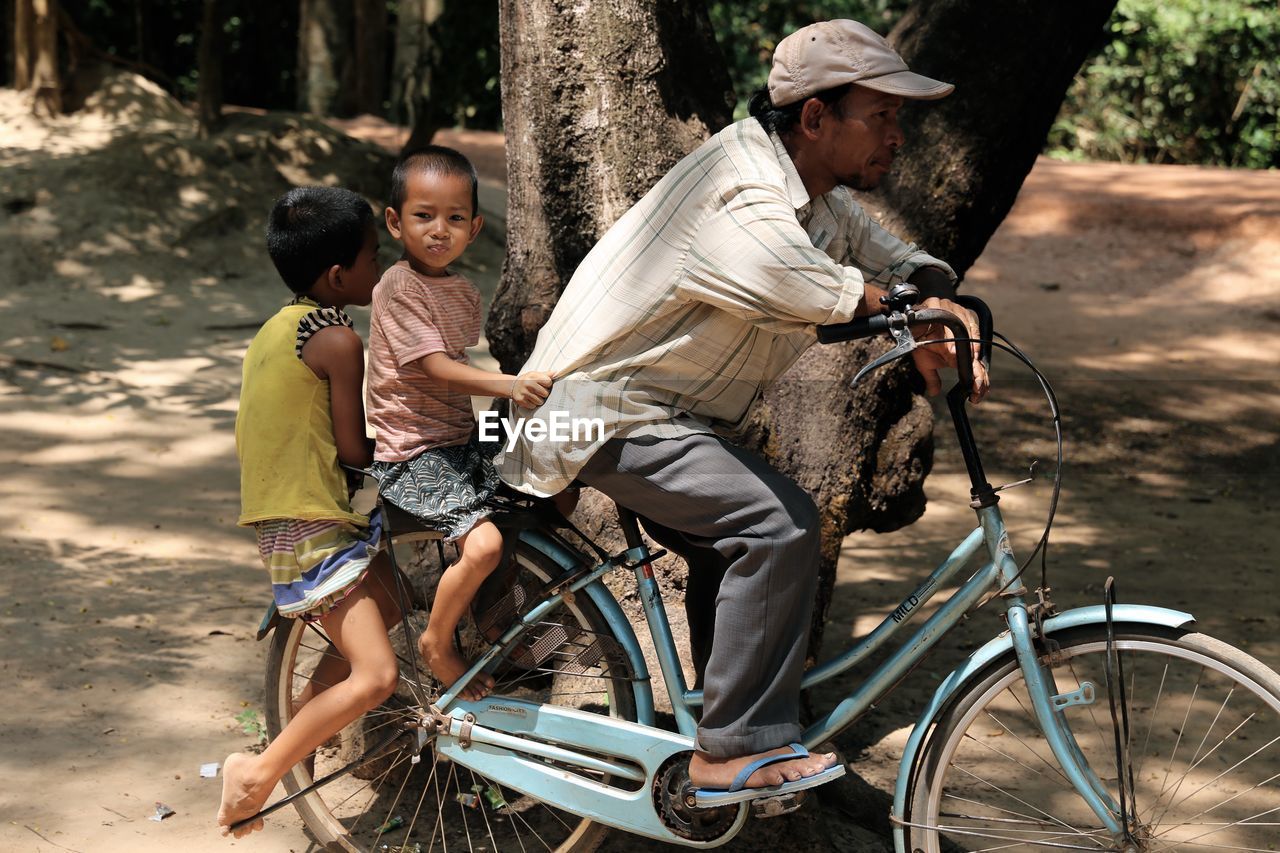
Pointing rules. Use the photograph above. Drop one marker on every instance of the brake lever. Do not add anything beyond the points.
(904, 343)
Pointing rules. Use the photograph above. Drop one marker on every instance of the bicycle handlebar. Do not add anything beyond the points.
(879, 324)
(959, 331)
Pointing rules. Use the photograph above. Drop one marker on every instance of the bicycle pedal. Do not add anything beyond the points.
(767, 807)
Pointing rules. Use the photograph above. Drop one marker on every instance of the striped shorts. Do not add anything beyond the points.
(314, 565)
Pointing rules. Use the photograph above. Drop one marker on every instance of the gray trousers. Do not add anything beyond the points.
(750, 537)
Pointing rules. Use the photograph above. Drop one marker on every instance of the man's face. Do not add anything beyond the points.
(859, 137)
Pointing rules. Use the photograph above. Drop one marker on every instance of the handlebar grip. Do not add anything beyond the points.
(964, 354)
(855, 329)
(985, 325)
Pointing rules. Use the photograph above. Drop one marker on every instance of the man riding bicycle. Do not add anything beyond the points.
(708, 289)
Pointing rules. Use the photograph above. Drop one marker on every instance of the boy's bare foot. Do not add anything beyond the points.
(448, 666)
(242, 795)
(708, 771)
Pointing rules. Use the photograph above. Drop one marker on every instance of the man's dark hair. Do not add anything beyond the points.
(782, 120)
(312, 228)
(437, 160)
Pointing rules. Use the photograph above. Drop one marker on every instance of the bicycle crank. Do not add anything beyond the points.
(670, 789)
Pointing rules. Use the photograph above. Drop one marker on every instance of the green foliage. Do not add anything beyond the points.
(251, 725)
(1179, 81)
(749, 31)
(465, 83)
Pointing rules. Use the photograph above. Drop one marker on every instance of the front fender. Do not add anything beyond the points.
(1140, 614)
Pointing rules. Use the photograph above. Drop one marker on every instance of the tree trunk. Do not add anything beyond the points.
(35, 54)
(8, 39)
(600, 100)
(209, 81)
(322, 54)
(955, 185)
(416, 60)
(370, 32)
(46, 81)
(23, 39)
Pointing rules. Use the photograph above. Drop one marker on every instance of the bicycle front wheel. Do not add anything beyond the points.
(1203, 752)
(390, 802)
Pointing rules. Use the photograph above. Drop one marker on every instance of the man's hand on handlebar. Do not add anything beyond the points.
(930, 358)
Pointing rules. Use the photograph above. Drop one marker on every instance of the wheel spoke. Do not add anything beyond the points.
(995, 787)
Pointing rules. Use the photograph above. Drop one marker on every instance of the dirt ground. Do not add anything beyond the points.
(134, 279)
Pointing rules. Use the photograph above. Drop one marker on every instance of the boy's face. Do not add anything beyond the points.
(436, 222)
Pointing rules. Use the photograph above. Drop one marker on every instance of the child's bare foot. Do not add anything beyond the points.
(708, 771)
(448, 666)
(242, 795)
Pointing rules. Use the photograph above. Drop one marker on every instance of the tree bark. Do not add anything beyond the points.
(23, 39)
(967, 155)
(8, 40)
(412, 76)
(322, 55)
(35, 54)
(600, 99)
(370, 33)
(46, 81)
(209, 80)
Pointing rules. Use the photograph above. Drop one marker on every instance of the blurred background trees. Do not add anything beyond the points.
(1169, 81)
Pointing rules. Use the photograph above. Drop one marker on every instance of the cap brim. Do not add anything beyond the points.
(908, 84)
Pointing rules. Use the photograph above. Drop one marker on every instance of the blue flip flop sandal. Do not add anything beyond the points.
(736, 792)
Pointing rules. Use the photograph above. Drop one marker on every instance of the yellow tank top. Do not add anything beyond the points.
(284, 432)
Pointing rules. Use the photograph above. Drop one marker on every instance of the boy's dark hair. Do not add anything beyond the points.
(781, 120)
(435, 159)
(312, 228)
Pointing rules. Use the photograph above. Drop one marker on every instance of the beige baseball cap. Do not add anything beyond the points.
(828, 54)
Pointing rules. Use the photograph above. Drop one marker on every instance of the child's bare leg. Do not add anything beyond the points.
(481, 550)
(357, 631)
(333, 667)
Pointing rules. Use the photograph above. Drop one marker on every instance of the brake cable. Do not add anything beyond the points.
(1042, 546)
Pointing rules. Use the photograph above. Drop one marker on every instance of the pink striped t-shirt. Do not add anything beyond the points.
(413, 316)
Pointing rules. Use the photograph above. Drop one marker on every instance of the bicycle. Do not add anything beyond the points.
(1110, 727)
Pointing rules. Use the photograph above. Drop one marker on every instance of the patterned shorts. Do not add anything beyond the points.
(445, 488)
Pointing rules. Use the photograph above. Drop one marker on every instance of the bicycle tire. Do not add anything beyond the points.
(1204, 752)
(446, 806)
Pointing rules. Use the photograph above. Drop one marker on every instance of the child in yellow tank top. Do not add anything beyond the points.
(301, 413)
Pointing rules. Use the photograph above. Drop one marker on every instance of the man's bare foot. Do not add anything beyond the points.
(708, 771)
(243, 795)
(448, 666)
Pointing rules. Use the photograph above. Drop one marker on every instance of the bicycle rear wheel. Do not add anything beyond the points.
(388, 802)
(1204, 752)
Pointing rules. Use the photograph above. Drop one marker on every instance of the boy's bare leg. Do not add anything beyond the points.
(333, 667)
(356, 629)
(481, 549)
